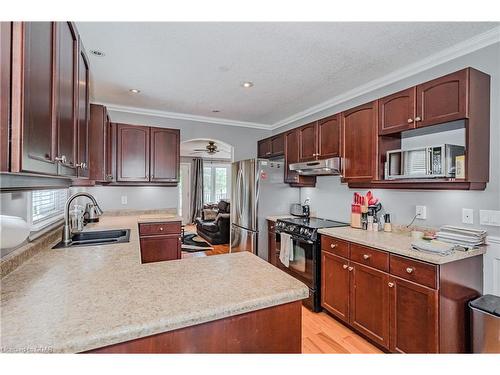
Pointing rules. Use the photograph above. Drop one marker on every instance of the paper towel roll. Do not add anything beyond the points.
(13, 231)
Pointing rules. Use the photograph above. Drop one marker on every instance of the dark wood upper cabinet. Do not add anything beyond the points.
(83, 114)
(5, 71)
(264, 148)
(414, 317)
(66, 90)
(369, 303)
(165, 155)
(99, 141)
(328, 130)
(271, 147)
(292, 156)
(132, 153)
(359, 128)
(308, 142)
(443, 99)
(33, 124)
(397, 112)
(335, 285)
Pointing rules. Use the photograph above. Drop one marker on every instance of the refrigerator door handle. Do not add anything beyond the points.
(242, 195)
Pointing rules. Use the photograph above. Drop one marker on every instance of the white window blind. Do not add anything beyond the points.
(47, 204)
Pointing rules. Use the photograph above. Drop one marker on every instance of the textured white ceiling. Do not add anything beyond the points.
(188, 149)
(193, 68)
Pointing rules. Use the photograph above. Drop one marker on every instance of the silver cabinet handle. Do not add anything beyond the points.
(344, 266)
(410, 121)
(418, 118)
(350, 268)
(366, 256)
(333, 246)
(161, 229)
(81, 165)
(390, 285)
(410, 270)
(61, 159)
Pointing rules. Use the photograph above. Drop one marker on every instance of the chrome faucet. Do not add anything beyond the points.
(66, 236)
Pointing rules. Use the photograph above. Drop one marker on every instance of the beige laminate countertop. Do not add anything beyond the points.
(276, 217)
(78, 299)
(397, 243)
(155, 218)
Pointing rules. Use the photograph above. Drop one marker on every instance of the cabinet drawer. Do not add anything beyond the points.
(414, 270)
(370, 257)
(152, 229)
(335, 246)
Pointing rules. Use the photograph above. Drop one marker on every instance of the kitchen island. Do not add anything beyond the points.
(101, 298)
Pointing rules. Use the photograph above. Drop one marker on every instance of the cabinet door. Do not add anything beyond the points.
(413, 317)
(33, 130)
(292, 156)
(397, 112)
(132, 157)
(110, 150)
(264, 148)
(97, 142)
(271, 242)
(443, 99)
(277, 145)
(360, 148)
(308, 142)
(160, 248)
(335, 285)
(5, 63)
(83, 114)
(165, 153)
(369, 303)
(67, 53)
(329, 137)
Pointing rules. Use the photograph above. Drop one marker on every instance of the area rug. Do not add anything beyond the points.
(192, 243)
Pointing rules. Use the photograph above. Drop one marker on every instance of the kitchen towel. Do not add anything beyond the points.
(286, 249)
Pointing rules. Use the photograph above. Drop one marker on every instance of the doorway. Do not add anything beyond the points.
(185, 193)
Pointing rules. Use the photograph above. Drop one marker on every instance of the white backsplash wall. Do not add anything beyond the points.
(137, 197)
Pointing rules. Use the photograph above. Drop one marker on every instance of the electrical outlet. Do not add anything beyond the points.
(421, 212)
(467, 216)
(124, 199)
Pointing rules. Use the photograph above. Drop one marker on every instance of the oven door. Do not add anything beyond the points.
(304, 264)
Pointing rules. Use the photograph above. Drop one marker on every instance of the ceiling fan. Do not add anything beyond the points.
(210, 149)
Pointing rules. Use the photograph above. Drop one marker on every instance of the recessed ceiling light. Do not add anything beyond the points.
(134, 91)
(97, 53)
(247, 84)
(215, 110)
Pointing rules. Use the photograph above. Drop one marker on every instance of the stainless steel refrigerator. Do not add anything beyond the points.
(257, 191)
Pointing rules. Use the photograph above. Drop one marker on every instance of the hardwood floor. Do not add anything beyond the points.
(323, 334)
(320, 332)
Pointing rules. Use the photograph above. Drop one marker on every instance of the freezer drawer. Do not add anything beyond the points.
(243, 240)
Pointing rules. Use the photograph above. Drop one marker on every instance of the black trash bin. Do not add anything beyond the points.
(485, 324)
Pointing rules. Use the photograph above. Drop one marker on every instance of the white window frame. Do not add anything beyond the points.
(51, 219)
(214, 165)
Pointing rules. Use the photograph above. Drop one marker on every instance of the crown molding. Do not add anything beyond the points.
(460, 49)
(184, 116)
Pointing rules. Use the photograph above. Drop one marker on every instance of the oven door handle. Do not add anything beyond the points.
(299, 239)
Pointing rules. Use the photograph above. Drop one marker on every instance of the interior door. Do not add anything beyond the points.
(243, 240)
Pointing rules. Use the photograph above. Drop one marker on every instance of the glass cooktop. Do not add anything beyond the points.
(314, 222)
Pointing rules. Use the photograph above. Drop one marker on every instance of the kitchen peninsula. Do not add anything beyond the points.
(102, 299)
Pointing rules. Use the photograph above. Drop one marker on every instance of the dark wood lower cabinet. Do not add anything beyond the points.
(275, 329)
(369, 303)
(335, 285)
(160, 241)
(414, 317)
(412, 307)
(271, 242)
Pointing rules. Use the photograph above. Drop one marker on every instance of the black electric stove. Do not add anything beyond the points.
(305, 243)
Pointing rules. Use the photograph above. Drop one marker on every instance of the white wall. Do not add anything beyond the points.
(331, 199)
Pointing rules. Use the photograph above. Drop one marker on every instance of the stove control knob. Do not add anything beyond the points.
(302, 230)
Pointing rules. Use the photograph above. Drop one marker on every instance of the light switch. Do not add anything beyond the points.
(489, 217)
(124, 199)
(467, 216)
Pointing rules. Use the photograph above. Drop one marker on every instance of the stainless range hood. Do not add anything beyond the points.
(326, 167)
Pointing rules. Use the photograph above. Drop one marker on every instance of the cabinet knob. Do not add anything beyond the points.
(410, 269)
(161, 229)
(344, 266)
(366, 256)
(350, 268)
(418, 118)
(390, 285)
(81, 165)
(61, 159)
(410, 121)
(333, 246)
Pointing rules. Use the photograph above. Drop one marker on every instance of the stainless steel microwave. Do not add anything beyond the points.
(424, 162)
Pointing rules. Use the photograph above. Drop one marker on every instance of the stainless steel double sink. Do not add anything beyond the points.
(95, 238)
